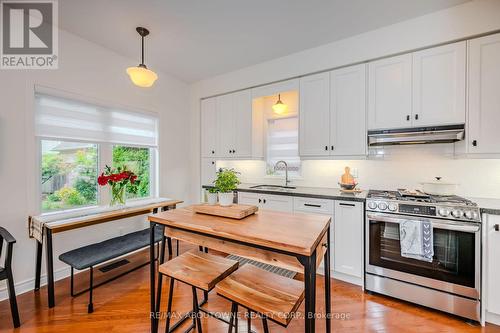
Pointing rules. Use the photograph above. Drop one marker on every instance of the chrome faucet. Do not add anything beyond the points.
(286, 171)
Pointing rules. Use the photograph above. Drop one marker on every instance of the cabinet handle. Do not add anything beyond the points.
(416, 116)
(407, 117)
(264, 200)
(346, 204)
(496, 227)
(234, 151)
(260, 201)
(213, 162)
(333, 147)
(326, 147)
(213, 151)
(312, 205)
(474, 143)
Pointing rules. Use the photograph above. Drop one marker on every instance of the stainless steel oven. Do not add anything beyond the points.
(451, 282)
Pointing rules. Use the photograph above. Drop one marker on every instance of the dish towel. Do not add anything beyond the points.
(416, 239)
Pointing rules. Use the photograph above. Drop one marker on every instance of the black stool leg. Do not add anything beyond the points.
(264, 324)
(177, 246)
(196, 310)
(72, 282)
(249, 321)
(90, 308)
(12, 297)
(170, 251)
(232, 316)
(169, 304)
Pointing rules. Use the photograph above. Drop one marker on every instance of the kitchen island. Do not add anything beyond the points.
(296, 242)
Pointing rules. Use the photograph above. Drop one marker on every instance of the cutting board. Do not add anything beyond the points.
(234, 211)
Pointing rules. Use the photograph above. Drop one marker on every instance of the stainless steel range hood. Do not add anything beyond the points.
(418, 135)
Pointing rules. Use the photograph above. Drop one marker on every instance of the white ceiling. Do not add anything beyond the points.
(197, 39)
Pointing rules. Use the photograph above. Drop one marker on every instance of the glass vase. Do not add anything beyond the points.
(117, 195)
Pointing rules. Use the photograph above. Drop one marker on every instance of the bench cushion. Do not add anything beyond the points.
(94, 254)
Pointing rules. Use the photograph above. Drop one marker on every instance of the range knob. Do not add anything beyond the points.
(392, 207)
(372, 205)
(382, 206)
(457, 213)
(443, 212)
(471, 215)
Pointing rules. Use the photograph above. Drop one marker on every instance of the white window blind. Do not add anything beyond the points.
(283, 143)
(62, 118)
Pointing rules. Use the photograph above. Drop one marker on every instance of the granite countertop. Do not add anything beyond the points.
(488, 205)
(309, 192)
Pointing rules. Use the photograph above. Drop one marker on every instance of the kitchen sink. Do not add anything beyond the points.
(273, 187)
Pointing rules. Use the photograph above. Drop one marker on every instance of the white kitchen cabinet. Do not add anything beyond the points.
(491, 269)
(348, 111)
(439, 85)
(484, 96)
(314, 115)
(208, 171)
(208, 127)
(390, 92)
(348, 238)
(280, 203)
(234, 125)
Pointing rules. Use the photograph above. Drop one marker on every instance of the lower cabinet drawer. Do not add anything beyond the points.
(313, 205)
(281, 203)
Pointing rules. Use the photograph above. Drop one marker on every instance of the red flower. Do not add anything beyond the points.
(133, 178)
(102, 179)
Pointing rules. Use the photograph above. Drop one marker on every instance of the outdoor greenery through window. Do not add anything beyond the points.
(68, 175)
(136, 160)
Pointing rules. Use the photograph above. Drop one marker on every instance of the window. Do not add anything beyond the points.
(283, 144)
(78, 139)
(136, 160)
(68, 174)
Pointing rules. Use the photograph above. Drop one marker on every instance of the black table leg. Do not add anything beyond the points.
(310, 291)
(152, 272)
(161, 260)
(328, 296)
(50, 269)
(38, 267)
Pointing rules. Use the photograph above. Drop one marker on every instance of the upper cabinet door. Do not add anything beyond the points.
(484, 95)
(208, 128)
(348, 111)
(314, 115)
(389, 86)
(225, 125)
(439, 85)
(242, 102)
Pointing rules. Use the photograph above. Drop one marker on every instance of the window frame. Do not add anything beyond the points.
(104, 157)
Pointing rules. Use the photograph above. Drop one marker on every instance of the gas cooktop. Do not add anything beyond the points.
(417, 203)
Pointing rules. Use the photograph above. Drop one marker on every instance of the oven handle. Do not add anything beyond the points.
(451, 225)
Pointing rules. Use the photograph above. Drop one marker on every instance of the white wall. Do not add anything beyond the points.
(467, 20)
(95, 73)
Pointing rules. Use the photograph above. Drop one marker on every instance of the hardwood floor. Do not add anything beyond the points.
(123, 306)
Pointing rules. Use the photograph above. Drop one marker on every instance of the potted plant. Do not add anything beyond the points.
(212, 196)
(118, 179)
(226, 182)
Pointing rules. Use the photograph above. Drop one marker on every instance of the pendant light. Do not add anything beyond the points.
(279, 107)
(141, 76)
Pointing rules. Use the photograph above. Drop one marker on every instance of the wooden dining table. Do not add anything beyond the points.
(297, 242)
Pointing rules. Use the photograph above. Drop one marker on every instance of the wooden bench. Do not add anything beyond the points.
(94, 254)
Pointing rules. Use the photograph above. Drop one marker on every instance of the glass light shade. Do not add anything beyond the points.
(141, 76)
(279, 107)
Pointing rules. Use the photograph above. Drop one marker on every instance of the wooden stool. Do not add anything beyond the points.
(199, 270)
(272, 296)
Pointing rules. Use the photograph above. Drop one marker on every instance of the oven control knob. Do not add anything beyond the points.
(372, 205)
(382, 206)
(457, 213)
(471, 215)
(443, 212)
(392, 207)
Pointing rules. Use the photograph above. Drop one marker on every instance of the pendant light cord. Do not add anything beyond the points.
(142, 54)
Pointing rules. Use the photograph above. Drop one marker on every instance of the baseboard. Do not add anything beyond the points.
(492, 318)
(29, 284)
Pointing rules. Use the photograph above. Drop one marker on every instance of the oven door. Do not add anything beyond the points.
(455, 267)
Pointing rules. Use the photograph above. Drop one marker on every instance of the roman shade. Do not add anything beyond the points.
(66, 119)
